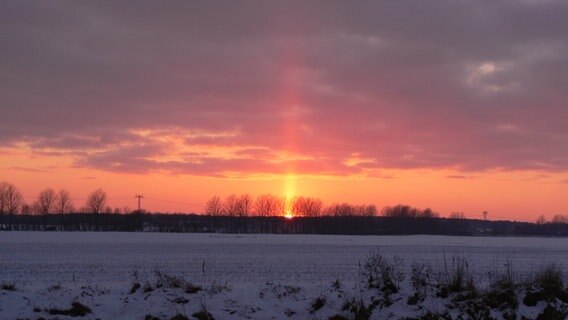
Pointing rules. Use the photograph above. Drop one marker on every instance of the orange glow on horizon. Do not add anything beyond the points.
(443, 190)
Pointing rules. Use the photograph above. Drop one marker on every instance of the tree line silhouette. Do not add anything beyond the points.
(56, 210)
(268, 205)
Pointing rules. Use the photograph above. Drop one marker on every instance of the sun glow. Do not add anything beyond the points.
(290, 186)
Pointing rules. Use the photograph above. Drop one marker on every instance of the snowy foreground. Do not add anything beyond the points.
(56, 275)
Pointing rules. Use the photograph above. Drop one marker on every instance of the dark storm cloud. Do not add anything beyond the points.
(473, 85)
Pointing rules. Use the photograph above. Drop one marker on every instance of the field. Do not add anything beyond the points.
(238, 276)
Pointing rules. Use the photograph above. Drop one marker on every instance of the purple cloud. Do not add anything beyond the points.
(266, 86)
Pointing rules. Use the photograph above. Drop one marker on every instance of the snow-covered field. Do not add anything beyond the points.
(242, 276)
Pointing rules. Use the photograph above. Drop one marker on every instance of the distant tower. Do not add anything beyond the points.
(484, 215)
(139, 197)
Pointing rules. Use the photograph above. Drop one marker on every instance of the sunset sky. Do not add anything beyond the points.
(454, 105)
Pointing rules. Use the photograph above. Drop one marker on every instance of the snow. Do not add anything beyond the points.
(242, 276)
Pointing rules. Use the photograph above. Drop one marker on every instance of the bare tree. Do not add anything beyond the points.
(13, 198)
(400, 211)
(370, 210)
(64, 203)
(541, 219)
(279, 206)
(307, 207)
(268, 205)
(340, 210)
(261, 205)
(264, 205)
(457, 215)
(2, 197)
(46, 201)
(296, 206)
(35, 207)
(214, 206)
(364, 210)
(26, 209)
(244, 205)
(428, 213)
(96, 201)
(231, 205)
(10, 201)
(560, 218)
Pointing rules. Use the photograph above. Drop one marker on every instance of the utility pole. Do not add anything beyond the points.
(139, 197)
(484, 215)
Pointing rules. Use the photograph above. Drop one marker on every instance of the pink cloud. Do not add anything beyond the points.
(472, 86)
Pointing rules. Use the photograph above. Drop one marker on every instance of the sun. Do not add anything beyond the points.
(290, 187)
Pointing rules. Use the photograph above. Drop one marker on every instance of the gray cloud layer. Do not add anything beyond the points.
(472, 85)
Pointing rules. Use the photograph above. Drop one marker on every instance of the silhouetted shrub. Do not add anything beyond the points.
(8, 286)
(551, 313)
(317, 304)
(551, 280)
(77, 310)
(502, 291)
(135, 287)
(547, 285)
(202, 315)
(383, 274)
(164, 280)
(358, 308)
(457, 277)
(420, 274)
